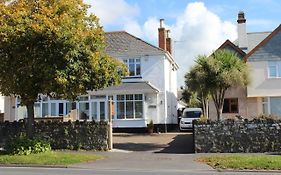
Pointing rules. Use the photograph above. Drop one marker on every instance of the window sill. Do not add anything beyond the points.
(132, 77)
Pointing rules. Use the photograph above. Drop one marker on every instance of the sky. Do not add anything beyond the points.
(197, 27)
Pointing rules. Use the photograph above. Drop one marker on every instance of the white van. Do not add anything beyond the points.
(188, 115)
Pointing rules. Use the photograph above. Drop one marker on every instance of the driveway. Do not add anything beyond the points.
(174, 143)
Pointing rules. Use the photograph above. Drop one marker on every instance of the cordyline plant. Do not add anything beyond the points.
(52, 47)
(215, 74)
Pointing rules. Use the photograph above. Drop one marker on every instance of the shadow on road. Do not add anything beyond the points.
(129, 146)
(178, 144)
(181, 144)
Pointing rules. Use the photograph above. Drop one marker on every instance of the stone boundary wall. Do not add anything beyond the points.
(62, 135)
(227, 136)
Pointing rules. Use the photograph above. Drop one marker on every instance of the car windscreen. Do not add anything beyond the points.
(192, 114)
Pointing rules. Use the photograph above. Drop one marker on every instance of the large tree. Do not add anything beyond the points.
(224, 70)
(52, 47)
(196, 81)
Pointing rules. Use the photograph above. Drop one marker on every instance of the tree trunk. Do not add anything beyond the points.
(205, 103)
(219, 112)
(30, 120)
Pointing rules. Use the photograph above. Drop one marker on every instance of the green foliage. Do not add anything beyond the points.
(150, 125)
(23, 146)
(215, 74)
(196, 81)
(53, 48)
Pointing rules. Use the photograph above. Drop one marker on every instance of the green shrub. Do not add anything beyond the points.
(23, 146)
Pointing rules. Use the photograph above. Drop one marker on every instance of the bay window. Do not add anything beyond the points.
(129, 106)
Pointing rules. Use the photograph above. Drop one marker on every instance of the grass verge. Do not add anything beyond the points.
(49, 158)
(244, 162)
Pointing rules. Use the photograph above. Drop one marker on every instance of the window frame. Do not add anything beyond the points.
(231, 101)
(137, 61)
(277, 67)
(124, 100)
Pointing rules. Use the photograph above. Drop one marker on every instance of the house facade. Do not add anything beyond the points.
(262, 52)
(148, 93)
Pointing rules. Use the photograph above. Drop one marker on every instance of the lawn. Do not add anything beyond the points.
(244, 162)
(50, 158)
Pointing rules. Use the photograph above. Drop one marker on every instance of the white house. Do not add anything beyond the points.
(148, 93)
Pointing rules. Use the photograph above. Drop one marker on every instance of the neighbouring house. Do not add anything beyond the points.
(262, 52)
(148, 93)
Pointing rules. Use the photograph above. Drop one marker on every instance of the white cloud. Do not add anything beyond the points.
(113, 12)
(198, 31)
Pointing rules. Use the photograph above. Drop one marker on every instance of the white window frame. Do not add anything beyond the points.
(137, 61)
(277, 65)
(134, 107)
(266, 101)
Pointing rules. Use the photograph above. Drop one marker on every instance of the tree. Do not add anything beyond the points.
(52, 47)
(196, 79)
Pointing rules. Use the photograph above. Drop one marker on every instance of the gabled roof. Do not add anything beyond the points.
(121, 43)
(264, 42)
(253, 39)
(229, 45)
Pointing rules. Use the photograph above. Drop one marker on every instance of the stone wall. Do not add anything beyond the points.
(237, 136)
(62, 135)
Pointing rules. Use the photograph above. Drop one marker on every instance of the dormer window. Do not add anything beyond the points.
(134, 66)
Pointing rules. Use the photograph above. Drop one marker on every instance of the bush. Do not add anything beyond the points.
(23, 146)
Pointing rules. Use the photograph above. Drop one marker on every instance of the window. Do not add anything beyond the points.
(134, 66)
(230, 105)
(130, 106)
(274, 69)
(265, 108)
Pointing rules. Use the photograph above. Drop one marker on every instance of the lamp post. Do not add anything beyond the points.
(110, 143)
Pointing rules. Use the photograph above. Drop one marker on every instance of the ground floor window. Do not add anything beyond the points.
(272, 105)
(129, 106)
(230, 105)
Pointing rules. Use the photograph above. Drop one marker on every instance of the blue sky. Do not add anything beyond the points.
(197, 27)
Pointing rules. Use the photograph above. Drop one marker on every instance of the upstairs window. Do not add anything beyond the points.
(230, 105)
(274, 69)
(134, 66)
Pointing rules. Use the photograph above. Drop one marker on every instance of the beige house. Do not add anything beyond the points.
(262, 52)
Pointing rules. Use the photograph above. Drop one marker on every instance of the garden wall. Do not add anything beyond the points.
(62, 135)
(237, 136)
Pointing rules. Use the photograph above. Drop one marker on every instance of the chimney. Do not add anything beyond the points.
(168, 42)
(242, 35)
(162, 35)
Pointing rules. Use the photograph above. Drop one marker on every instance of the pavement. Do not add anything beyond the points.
(139, 154)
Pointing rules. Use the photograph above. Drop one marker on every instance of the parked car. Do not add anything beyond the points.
(188, 115)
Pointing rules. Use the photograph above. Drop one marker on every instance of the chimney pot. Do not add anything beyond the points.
(241, 17)
(161, 23)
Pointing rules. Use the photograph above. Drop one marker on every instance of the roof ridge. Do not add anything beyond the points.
(259, 32)
(115, 31)
(263, 42)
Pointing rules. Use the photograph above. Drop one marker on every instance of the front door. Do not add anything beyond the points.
(98, 110)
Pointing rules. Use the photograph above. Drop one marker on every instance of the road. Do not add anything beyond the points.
(78, 171)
